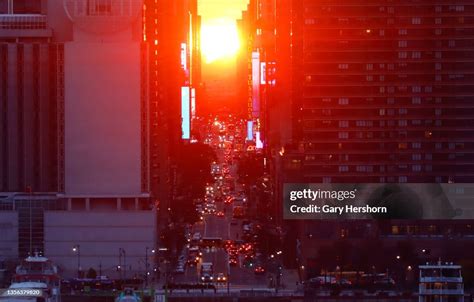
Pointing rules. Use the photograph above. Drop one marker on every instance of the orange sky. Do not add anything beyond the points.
(219, 75)
(218, 25)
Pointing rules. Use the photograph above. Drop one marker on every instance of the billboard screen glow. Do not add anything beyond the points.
(185, 113)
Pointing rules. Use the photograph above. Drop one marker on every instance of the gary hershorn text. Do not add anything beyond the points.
(327, 209)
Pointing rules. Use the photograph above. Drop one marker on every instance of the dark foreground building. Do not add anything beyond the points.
(380, 92)
(90, 99)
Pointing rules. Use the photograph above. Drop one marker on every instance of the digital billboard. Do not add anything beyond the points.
(185, 113)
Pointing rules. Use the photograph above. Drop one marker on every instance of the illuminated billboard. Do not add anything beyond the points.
(258, 141)
(255, 84)
(185, 113)
(249, 130)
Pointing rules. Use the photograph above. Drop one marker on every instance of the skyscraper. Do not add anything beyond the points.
(74, 134)
(383, 91)
(171, 31)
(375, 92)
(29, 89)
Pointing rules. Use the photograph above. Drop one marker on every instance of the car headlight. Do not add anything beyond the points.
(211, 278)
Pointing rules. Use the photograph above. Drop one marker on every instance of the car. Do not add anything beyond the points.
(221, 277)
(197, 236)
(234, 222)
(344, 282)
(192, 260)
(385, 281)
(322, 280)
(206, 278)
(259, 270)
(220, 214)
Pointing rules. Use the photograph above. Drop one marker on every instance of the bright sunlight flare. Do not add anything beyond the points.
(219, 39)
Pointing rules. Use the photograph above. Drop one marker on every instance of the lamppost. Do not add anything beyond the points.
(146, 265)
(77, 249)
(122, 253)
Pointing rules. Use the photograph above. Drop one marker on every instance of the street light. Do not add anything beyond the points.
(122, 253)
(77, 249)
(146, 265)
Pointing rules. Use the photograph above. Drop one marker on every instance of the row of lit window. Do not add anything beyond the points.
(416, 100)
(347, 157)
(382, 168)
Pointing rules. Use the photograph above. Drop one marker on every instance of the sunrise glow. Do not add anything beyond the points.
(219, 39)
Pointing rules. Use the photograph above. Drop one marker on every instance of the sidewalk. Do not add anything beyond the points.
(289, 279)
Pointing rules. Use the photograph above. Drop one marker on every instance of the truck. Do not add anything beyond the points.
(207, 270)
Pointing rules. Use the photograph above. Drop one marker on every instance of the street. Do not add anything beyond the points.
(225, 227)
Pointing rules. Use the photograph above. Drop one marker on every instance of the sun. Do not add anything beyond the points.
(219, 39)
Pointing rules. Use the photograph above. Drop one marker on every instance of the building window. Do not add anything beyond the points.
(402, 55)
(395, 230)
(402, 145)
(343, 101)
(343, 168)
(343, 124)
(416, 20)
(343, 66)
(25, 6)
(326, 179)
(344, 135)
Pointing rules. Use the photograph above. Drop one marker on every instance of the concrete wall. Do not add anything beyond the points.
(102, 114)
(8, 235)
(100, 235)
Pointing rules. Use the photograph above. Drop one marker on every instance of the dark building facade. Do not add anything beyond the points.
(383, 91)
(369, 92)
(74, 122)
(30, 87)
(172, 32)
